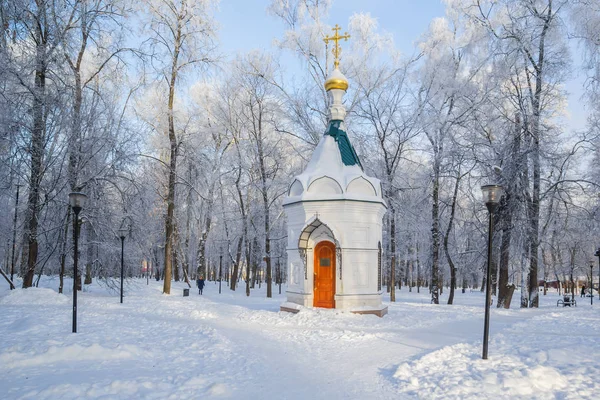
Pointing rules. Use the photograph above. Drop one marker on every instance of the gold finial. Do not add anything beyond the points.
(337, 50)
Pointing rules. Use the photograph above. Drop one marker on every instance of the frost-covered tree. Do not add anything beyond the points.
(181, 36)
(533, 34)
(450, 93)
(261, 110)
(385, 116)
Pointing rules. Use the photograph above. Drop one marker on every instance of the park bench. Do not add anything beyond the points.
(566, 301)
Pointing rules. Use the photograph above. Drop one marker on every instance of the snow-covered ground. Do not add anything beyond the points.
(229, 346)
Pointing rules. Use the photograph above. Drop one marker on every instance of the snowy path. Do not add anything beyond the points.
(343, 355)
(229, 346)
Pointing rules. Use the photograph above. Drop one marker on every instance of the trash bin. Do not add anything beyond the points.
(186, 292)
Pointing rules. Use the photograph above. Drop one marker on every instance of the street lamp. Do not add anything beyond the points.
(220, 268)
(123, 231)
(76, 201)
(597, 254)
(591, 283)
(491, 197)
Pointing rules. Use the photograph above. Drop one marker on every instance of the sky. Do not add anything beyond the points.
(246, 25)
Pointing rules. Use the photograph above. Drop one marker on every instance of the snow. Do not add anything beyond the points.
(327, 162)
(223, 346)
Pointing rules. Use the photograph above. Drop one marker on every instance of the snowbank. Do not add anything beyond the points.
(216, 346)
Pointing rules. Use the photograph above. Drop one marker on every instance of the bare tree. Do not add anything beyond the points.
(182, 36)
(388, 110)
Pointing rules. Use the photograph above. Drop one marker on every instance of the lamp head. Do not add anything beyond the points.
(123, 231)
(77, 201)
(492, 194)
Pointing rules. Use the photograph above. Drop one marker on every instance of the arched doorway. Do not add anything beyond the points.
(324, 275)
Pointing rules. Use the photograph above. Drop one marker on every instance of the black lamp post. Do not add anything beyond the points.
(491, 197)
(122, 233)
(76, 201)
(597, 254)
(591, 283)
(220, 269)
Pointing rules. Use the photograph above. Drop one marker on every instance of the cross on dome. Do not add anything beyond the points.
(337, 50)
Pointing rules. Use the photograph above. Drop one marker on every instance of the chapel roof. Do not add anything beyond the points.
(347, 152)
(334, 170)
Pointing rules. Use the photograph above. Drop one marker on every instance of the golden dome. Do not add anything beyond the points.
(336, 84)
(336, 80)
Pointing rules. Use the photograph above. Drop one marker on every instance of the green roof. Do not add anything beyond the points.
(349, 156)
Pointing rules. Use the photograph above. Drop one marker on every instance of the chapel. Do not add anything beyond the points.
(335, 216)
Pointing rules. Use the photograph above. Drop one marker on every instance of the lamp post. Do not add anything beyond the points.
(122, 233)
(220, 269)
(597, 254)
(14, 238)
(76, 201)
(491, 197)
(591, 283)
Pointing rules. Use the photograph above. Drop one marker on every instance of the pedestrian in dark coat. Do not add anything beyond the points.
(200, 284)
(582, 291)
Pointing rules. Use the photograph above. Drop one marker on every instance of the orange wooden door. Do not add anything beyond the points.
(324, 275)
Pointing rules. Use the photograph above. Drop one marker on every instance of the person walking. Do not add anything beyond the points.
(582, 290)
(200, 284)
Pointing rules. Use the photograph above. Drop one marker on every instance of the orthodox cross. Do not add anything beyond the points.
(337, 50)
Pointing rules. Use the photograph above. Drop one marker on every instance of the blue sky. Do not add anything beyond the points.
(245, 25)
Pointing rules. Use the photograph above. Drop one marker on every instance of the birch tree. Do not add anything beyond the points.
(182, 34)
(450, 94)
(385, 114)
(533, 29)
(39, 28)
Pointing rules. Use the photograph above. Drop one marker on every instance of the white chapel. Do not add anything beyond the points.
(335, 215)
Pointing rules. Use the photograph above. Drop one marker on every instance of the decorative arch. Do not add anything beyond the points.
(325, 185)
(296, 189)
(305, 237)
(361, 186)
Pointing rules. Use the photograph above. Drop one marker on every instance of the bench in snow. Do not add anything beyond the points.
(566, 301)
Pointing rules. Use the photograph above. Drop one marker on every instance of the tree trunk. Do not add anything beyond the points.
(435, 233)
(176, 251)
(447, 237)
(242, 239)
(534, 206)
(91, 240)
(392, 286)
(30, 248)
(170, 218)
(494, 265)
(253, 255)
(63, 250)
(506, 212)
(247, 268)
(524, 280)
(419, 276)
(265, 199)
(503, 286)
(14, 236)
(534, 220)
(186, 243)
(236, 265)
